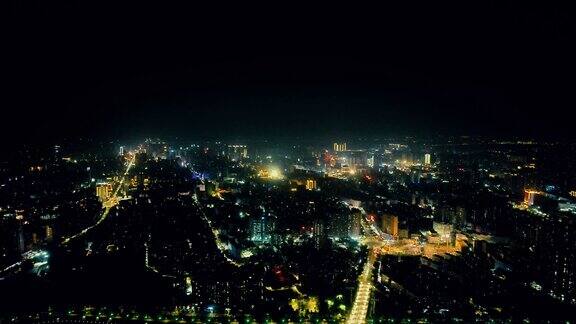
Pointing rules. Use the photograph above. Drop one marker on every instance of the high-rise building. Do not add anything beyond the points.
(560, 257)
(370, 161)
(121, 152)
(390, 224)
(57, 153)
(103, 191)
(21, 240)
(237, 152)
(339, 147)
(310, 184)
(455, 215)
(529, 195)
(261, 229)
(415, 176)
(339, 225)
(355, 158)
(356, 224)
(427, 159)
(49, 233)
(318, 233)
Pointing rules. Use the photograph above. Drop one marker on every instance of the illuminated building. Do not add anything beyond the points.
(103, 191)
(356, 226)
(370, 161)
(355, 159)
(237, 152)
(553, 252)
(318, 233)
(415, 176)
(559, 263)
(390, 224)
(529, 196)
(339, 147)
(261, 229)
(446, 234)
(427, 159)
(49, 233)
(57, 155)
(453, 215)
(573, 193)
(189, 288)
(157, 148)
(270, 172)
(121, 152)
(21, 241)
(310, 184)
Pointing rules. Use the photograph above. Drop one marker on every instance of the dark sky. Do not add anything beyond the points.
(106, 70)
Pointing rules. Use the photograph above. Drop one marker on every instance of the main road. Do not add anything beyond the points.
(374, 239)
(107, 205)
(361, 302)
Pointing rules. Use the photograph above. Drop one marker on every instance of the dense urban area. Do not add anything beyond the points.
(348, 230)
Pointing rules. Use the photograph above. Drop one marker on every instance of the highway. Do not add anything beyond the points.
(107, 206)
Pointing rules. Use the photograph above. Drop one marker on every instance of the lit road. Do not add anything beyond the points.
(38, 257)
(221, 246)
(107, 206)
(375, 239)
(361, 302)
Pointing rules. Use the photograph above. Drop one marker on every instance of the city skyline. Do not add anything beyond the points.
(275, 164)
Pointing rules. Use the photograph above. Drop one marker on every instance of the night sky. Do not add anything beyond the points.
(104, 70)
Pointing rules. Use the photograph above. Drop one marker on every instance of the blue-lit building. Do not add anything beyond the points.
(261, 229)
